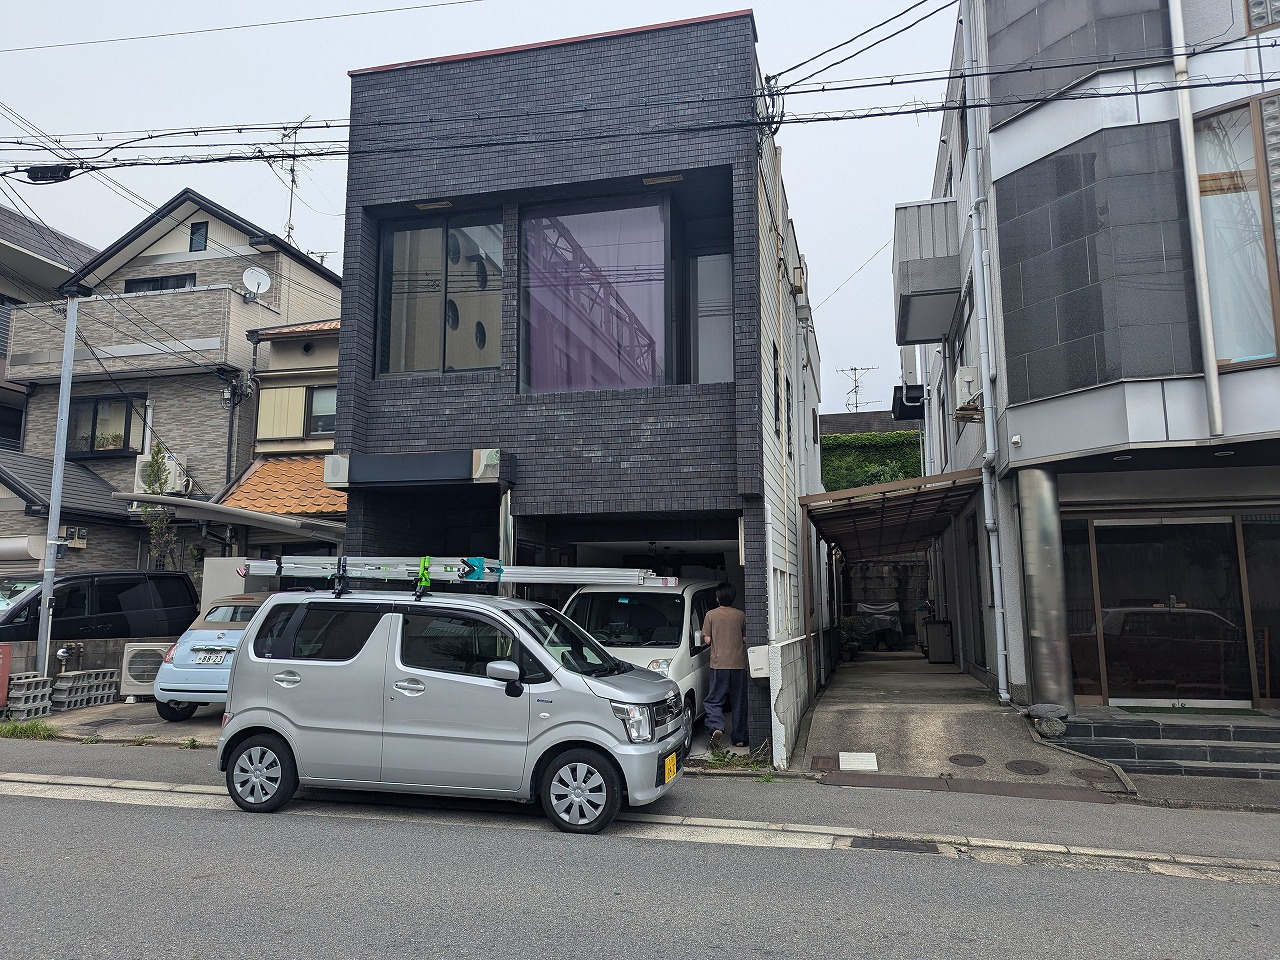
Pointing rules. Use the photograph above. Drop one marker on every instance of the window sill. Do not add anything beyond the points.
(104, 455)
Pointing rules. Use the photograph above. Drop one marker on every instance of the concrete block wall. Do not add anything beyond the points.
(789, 686)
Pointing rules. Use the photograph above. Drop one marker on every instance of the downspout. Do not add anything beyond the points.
(982, 310)
(1191, 176)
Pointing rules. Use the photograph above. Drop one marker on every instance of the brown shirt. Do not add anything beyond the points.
(725, 628)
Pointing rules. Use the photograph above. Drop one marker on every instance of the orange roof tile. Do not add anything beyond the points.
(286, 485)
(299, 329)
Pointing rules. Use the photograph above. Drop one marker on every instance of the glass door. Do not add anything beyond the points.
(1172, 612)
(1262, 560)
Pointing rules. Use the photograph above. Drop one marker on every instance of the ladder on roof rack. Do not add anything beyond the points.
(419, 572)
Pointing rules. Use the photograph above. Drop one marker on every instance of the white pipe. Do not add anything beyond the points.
(1191, 178)
(983, 317)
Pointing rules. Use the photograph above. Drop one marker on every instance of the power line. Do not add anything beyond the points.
(238, 26)
(855, 37)
(854, 274)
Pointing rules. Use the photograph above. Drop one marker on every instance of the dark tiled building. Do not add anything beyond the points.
(561, 341)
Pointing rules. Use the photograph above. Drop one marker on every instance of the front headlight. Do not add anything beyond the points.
(660, 666)
(637, 718)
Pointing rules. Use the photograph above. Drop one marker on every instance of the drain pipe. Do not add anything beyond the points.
(1191, 177)
(983, 316)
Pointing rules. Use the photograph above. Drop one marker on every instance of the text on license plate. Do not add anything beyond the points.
(669, 769)
(209, 657)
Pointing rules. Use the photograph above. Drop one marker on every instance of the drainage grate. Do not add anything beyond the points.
(901, 846)
(1028, 768)
(1094, 775)
(968, 760)
(824, 763)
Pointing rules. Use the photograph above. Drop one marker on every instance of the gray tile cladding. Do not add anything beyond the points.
(1093, 249)
(517, 126)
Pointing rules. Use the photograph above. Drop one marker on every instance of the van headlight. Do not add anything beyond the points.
(661, 666)
(637, 718)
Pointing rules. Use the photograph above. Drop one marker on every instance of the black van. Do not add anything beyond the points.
(100, 604)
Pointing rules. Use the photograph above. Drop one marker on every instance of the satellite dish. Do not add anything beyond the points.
(256, 281)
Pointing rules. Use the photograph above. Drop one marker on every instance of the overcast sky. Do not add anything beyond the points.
(842, 179)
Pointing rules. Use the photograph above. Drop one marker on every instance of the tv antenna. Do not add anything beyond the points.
(291, 133)
(853, 399)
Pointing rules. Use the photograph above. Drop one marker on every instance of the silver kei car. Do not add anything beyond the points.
(450, 694)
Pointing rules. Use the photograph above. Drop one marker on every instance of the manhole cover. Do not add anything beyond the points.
(1094, 775)
(1028, 768)
(968, 760)
(824, 763)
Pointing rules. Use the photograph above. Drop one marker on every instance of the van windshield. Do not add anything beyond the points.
(567, 642)
(11, 588)
(621, 618)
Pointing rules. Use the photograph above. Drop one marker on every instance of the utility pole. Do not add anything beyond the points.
(73, 292)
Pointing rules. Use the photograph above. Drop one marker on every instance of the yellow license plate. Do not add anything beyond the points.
(669, 769)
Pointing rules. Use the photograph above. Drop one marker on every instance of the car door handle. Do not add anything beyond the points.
(410, 687)
(287, 679)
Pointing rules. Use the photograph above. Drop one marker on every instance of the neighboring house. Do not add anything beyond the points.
(295, 374)
(1128, 414)
(163, 355)
(35, 261)
(579, 334)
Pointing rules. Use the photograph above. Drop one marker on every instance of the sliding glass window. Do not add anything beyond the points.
(440, 295)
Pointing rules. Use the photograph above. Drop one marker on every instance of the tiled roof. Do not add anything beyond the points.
(51, 244)
(299, 329)
(83, 491)
(866, 421)
(286, 485)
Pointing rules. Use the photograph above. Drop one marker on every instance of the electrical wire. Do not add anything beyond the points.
(854, 274)
(854, 38)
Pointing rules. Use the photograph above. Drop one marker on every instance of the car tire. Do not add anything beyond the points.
(175, 711)
(690, 707)
(261, 774)
(581, 791)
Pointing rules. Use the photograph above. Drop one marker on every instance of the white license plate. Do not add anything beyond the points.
(209, 657)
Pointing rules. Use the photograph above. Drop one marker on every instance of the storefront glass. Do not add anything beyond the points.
(1262, 560)
(1085, 671)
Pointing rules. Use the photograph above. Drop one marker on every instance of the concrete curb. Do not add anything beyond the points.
(1119, 774)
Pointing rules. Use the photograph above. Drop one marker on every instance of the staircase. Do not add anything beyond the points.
(1204, 746)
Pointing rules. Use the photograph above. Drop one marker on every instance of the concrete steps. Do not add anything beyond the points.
(1213, 747)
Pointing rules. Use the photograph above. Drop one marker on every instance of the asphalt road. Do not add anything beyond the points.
(86, 879)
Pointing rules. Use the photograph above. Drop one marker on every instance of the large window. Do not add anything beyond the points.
(440, 302)
(106, 426)
(1239, 228)
(594, 297)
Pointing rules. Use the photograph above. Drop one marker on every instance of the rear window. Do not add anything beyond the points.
(331, 632)
(231, 613)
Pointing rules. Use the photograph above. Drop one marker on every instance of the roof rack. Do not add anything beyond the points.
(421, 571)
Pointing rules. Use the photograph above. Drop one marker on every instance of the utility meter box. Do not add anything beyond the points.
(758, 660)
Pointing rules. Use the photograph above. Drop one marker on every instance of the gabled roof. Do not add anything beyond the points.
(289, 331)
(83, 491)
(289, 485)
(25, 234)
(165, 218)
(558, 43)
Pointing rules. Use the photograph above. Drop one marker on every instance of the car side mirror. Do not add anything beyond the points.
(507, 671)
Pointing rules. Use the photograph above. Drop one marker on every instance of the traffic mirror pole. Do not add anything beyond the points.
(73, 292)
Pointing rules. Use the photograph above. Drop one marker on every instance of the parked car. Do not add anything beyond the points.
(452, 694)
(659, 628)
(196, 670)
(103, 604)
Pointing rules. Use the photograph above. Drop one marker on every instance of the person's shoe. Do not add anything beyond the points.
(739, 743)
(716, 737)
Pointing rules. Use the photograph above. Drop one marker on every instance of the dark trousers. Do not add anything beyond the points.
(728, 685)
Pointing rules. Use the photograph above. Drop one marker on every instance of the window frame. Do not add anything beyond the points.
(135, 405)
(1265, 200)
(308, 432)
(203, 233)
(160, 280)
(1249, 28)
(384, 297)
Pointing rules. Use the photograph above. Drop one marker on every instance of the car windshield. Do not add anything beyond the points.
(622, 618)
(231, 613)
(13, 587)
(567, 642)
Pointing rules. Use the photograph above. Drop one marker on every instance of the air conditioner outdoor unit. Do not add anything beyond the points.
(178, 481)
(139, 668)
(968, 386)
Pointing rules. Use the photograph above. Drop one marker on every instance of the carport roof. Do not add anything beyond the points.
(890, 519)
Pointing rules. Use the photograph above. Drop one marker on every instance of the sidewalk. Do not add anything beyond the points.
(137, 723)
(895, 720)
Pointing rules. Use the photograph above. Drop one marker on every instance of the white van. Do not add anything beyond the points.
(659, 628)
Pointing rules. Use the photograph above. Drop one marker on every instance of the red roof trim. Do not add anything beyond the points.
(557, 43)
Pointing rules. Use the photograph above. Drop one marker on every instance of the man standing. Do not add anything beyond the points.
(725, 629)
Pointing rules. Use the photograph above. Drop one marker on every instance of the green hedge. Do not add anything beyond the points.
(860, 459)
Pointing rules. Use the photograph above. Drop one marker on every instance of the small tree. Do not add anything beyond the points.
(160, 529)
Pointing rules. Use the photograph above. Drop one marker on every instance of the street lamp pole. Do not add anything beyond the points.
(73, 292)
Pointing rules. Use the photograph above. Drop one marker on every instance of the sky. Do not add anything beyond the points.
(842, 178)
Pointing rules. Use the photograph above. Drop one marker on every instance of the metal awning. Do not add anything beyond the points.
(304, 527)
(890, 519)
